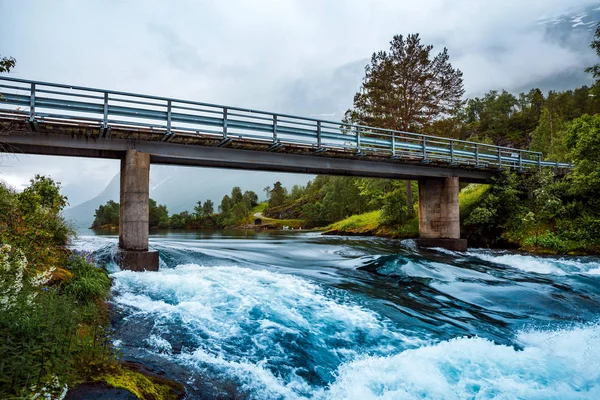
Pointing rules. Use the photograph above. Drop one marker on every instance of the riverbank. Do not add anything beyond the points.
(55, 306)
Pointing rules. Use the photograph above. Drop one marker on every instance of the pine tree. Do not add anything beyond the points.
(407, 89)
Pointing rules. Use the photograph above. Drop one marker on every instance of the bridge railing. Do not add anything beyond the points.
(169, 118)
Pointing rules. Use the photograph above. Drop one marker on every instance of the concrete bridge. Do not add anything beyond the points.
(140, 130)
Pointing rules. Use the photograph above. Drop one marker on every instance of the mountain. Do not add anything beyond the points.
(180, 188)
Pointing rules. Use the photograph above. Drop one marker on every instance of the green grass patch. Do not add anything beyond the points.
(366, 221)
(470, 197)
(260, 207)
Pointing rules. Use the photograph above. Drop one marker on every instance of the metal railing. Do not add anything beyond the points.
(43, 101)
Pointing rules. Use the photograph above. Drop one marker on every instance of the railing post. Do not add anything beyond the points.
(499, 158)
(393, 144)
(168, 117)
(319, 134)
(274, 128)
(477, 154)
(224, 123)
(451, 151)
(357, 140)
(32, 103)
(424, 149)
(539, 162)
(105, 118)
(520, 161)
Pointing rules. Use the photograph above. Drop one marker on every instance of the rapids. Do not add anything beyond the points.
(303, 316)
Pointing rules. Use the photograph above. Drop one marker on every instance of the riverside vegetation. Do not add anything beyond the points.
(54, 318)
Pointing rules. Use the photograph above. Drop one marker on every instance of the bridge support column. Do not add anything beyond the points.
(134, 217)
(439, 214)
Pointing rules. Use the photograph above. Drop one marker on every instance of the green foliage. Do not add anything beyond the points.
(31, 221)
(107, 214)
(583, 141)
(158, 215)
(277, 195)
(90, 285)
(395, 211)
(487, 221)
(367, 221)
(595, 69)
(52, 318)
(235, 209)
(547, 138)
(407, 88)
(208, 208)
(6, 64)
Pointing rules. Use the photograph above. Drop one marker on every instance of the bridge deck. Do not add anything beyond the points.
(45, 118)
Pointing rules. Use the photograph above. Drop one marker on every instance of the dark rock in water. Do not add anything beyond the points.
(98, 391)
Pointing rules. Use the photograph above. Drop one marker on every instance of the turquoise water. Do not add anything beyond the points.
(305, 316)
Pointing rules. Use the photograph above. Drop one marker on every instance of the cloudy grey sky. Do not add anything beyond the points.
(295, 56)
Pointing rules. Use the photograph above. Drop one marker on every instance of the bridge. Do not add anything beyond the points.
(55, 119)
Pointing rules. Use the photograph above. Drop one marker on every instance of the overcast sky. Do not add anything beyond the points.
(295, 56)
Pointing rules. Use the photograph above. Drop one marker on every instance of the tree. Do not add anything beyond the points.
(43, 192)
(595, 69)
(208, 208)
(277, 195)
(547, 137)
(107, 214)
(250, 199)
(7, 63)
(583, 141)
(407, 89)
(236, 195)
(226, 204)
(158, 215)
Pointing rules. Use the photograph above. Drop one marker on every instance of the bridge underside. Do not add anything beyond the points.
(60, 139)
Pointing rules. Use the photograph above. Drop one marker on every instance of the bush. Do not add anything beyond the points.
(91, 284)
(395, 209)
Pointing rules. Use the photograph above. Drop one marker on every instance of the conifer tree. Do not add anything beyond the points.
(407, 89)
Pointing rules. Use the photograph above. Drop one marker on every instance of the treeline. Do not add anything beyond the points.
(527, 121)
(328, 199)
(233, 211)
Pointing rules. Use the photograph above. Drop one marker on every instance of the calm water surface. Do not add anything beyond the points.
(300, 315)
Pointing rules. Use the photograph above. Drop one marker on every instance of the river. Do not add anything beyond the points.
(289, 315)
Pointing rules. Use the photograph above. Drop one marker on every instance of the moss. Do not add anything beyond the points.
(145, 387)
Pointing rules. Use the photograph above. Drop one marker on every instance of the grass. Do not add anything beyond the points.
(470, 196)
(364, 222)
(260, 207)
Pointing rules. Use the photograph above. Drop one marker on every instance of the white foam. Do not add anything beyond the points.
(563, 364)
(540, 265)
(253, 321)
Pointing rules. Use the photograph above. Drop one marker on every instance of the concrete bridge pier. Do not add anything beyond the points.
(439, 214)
(134, 214)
